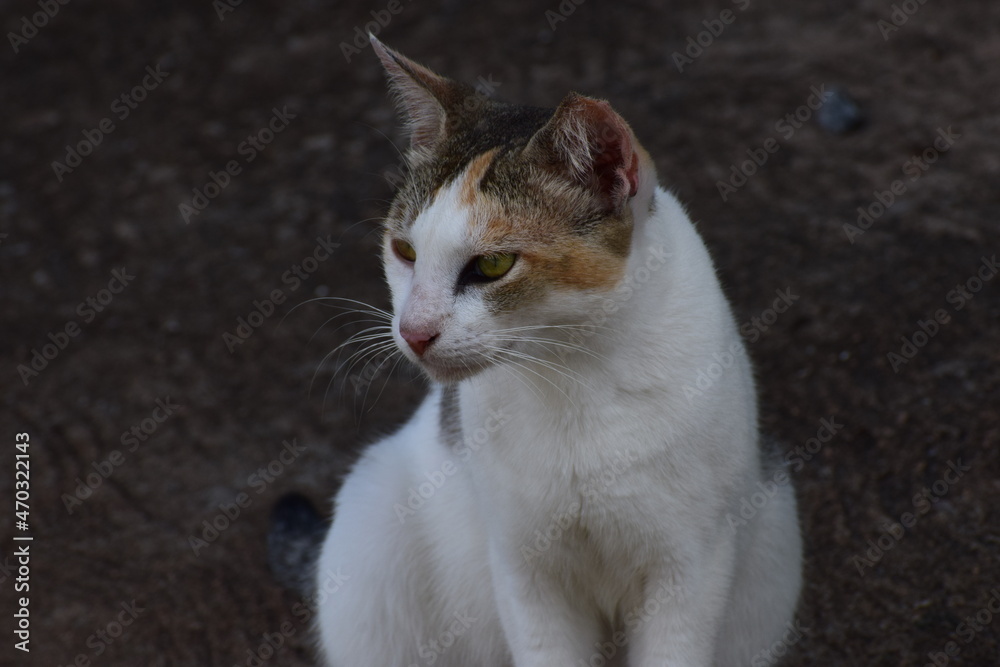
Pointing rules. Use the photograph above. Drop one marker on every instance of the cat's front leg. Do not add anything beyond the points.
(681, 614)
(541, 626)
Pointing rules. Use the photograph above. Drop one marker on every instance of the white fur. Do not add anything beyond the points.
(601, 450)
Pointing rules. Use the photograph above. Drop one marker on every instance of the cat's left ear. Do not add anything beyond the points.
(421, 95)
(591, 144)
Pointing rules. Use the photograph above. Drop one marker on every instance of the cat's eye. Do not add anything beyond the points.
(492, 267)
(404, 250)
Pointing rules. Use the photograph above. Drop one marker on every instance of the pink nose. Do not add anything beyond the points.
(418, 341)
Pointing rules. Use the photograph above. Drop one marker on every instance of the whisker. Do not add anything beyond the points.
(367, 352)
(345, 325)
(562, 345)
(369, 386)
(385, 383)
(564, 370)
(356, 338)
(526, 366)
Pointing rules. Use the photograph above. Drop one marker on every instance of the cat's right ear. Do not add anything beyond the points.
(590, 143)
(421, 95)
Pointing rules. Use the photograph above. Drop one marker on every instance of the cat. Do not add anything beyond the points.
(560, 496)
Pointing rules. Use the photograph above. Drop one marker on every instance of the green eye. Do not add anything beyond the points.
(494, 266)
(404, 250)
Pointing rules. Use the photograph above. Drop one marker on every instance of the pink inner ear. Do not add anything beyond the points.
(614, 163)
(616, 168)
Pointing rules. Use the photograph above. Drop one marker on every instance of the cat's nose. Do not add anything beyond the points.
(418, 341)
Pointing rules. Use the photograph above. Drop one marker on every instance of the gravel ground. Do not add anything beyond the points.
(129, 304)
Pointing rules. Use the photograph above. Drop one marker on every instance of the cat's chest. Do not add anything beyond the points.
(593, 513)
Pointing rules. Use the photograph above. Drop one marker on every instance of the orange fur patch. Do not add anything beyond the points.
(545, 223)
(469, 194)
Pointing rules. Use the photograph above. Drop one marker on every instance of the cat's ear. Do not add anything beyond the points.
(591, 144)
(421, 95)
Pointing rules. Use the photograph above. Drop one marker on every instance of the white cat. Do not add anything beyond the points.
(560, 498)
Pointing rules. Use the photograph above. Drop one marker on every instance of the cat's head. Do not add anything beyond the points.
(513, 223)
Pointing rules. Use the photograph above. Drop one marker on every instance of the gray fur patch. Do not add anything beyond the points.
(450, 418)
(485, 126)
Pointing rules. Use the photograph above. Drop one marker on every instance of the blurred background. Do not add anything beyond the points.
(178, 181)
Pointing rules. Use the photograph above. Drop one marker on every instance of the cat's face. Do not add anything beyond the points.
(512, 227)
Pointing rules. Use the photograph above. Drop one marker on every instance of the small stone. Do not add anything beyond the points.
(840, 114)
